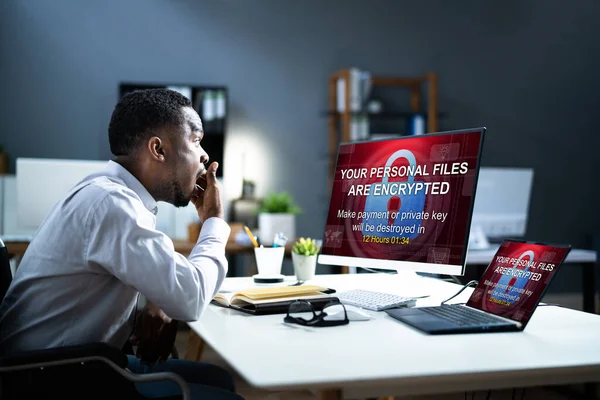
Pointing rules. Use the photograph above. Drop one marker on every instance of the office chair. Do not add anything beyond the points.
(60, 372)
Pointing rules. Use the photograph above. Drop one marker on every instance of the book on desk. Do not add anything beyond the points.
(274, 300)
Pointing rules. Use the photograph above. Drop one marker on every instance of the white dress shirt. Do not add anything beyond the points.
(82, 273)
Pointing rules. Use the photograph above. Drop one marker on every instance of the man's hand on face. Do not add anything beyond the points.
(208, 203)
(154, 335)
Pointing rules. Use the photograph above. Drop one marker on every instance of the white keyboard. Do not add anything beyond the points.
(374, 301)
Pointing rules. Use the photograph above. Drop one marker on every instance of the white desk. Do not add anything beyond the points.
(17, 244)
(586, 258)
(383, 357)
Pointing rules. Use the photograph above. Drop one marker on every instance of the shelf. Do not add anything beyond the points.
(423, 102)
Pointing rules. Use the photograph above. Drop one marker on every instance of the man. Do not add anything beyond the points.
(98, 249)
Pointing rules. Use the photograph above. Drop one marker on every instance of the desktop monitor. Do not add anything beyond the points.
(43, 182)
(502, 204)
(405, 203)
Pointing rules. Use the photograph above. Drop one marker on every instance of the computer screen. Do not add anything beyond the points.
(516, 279)
(502, 204)
(404, 203)
(43, 182)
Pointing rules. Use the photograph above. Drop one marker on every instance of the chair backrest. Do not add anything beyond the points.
(5, 272)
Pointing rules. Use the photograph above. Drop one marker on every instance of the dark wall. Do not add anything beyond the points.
(528, 70)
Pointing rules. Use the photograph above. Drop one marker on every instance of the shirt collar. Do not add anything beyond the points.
(115, 169)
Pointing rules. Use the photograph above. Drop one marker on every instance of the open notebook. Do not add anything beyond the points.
(273, 300)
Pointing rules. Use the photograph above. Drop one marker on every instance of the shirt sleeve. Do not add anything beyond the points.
(124, 241)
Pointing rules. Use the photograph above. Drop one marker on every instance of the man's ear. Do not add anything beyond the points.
(156, 148)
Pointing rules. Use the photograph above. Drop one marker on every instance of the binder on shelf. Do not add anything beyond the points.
(341, 95)
(208, 106)
(354, 128)
(364, 127)
(355, 90)
(220, 104)
(416, 124)
(360, 89)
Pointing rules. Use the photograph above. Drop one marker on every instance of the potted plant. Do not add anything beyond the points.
(304, 257)
(277, 213)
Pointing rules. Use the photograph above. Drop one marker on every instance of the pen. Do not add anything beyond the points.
(249, 232)
(279, 240)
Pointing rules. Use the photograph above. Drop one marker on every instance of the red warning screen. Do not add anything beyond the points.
(516, 279)
(406, 199)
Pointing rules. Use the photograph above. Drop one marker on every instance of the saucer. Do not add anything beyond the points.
(258, 278)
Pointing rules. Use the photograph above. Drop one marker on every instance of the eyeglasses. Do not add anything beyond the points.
(302, 312)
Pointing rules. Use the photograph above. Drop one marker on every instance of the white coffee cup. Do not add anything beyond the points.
(269, 260)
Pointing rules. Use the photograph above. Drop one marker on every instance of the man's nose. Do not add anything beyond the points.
(204, 158)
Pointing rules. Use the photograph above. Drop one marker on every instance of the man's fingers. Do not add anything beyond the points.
(165, 352)
(197, 198)
(153, 346)
(144, 349)
(133, 340)
(141, 334)
(141, 349)
(145, 333)
(167, 340)
(147, 354)
(147, 340)
(211, 174)
(151, 328)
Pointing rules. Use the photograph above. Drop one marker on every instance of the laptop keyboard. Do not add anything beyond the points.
(463, 316)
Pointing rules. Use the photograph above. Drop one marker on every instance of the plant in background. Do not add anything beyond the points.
(306, 247)
(279, 203)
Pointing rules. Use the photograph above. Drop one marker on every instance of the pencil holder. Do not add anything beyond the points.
(269, 260)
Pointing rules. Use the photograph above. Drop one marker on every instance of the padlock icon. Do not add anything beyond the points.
(414, 202)
(513, 281)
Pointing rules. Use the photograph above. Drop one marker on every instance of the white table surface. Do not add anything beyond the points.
(385, 357)
(574, 256)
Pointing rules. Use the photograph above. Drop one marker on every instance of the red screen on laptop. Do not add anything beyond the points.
(516, 279)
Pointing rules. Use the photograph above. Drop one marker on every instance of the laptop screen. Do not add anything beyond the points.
(514, 282)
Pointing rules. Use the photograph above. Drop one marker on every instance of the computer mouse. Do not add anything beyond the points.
(354, 313)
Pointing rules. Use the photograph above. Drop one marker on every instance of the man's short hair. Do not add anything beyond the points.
(139, 114)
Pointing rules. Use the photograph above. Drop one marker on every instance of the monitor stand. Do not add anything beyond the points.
(405, 274)
(401, 273)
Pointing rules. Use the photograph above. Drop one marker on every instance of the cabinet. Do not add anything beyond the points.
(211, 103)
(422, 92)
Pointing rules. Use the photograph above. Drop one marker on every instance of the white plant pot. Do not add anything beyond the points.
(304, 266)
(270, 224)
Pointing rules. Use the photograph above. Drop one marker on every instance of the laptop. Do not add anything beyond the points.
(505, 297)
